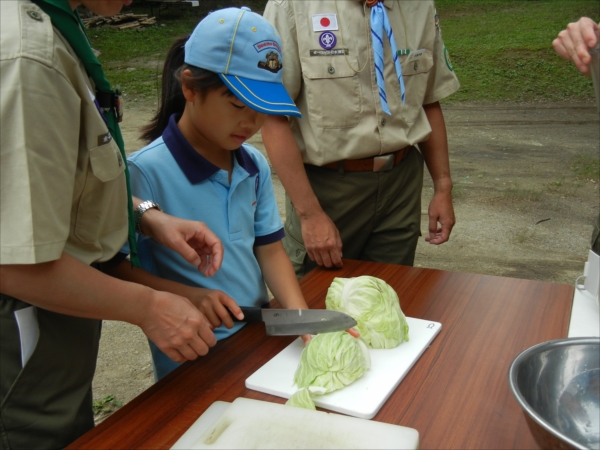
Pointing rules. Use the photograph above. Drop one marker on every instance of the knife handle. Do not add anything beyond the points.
(251, 314)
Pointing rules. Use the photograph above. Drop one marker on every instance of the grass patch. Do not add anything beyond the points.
(517, 194)
(586, 167)
(523, 235)
(502, 50)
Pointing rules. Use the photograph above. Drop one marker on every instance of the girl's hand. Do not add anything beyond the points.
(353, 332)
(307, 337)
(214, 305)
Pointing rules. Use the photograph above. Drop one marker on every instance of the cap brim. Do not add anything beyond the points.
(262, 96)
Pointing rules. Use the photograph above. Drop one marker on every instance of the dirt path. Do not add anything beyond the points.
(523, 209)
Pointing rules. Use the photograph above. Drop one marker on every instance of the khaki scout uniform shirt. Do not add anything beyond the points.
(342, 116)
(62, 176)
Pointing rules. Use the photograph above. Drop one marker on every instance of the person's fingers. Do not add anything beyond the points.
(206, 335)
(227, 303)
(215, 257)
(306, 338)
(336, 258)
(212, 316)
(433, 226)
(353, 332)
(326, 258)
(198, 346)
(317, 258)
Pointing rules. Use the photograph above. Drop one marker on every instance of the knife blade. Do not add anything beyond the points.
(290, 322)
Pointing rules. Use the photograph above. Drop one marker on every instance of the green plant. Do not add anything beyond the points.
(517, 194)
(586, 167)
(107, 405)
(523, 235)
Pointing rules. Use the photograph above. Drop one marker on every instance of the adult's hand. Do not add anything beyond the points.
(574, 42)
(322, 240)
(175, 325)
(192, 240)
(441, 218)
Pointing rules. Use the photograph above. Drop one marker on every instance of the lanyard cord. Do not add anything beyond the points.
(366, 35)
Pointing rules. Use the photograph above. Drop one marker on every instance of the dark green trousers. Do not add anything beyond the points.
(48, 403)
(378, 214)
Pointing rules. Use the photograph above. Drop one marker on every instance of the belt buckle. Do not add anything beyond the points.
(383, 162)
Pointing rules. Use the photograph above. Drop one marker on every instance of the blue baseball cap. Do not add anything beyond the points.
(245, 50)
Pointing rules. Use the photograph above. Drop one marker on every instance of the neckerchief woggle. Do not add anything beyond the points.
(68, 22)
(380, 23)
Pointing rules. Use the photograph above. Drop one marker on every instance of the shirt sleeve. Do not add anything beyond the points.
(442, 79)
(281, 15)
(39, 144)
(268, 227)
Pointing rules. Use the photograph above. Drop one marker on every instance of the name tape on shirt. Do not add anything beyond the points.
(332, 52)
(416, 55)
(324, 22)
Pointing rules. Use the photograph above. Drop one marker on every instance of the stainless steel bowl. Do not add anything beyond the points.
(557, 383)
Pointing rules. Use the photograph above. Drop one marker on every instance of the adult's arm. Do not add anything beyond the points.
(68, 286)
(193, 240)
(574, 42)
(321, 237)
(435, 153)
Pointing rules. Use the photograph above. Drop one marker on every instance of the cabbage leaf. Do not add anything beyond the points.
(301, 399)
(331, 361)
(374, 305)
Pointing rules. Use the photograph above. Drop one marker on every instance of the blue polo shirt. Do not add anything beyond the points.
(242, 214)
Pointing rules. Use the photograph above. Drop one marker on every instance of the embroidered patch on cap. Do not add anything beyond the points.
(272, 63)
(327, 40)
(324, 22)
(267, 45)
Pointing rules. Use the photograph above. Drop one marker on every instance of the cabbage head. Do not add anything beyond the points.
(375, 307)
(331, 361)
(301, 399)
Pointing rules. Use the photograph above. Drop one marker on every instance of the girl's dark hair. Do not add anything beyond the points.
(171, 100)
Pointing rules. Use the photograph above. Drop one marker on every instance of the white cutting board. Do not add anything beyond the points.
(246, 424)
(365, 396)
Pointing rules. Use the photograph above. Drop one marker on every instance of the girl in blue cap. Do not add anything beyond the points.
(218, 86)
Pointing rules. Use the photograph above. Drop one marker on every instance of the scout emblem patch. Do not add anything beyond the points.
(327, 40)
(272, 63)
(324, 22)
(447, 58)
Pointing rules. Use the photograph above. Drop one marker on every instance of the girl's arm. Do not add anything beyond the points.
(280, 277)
(210, 302)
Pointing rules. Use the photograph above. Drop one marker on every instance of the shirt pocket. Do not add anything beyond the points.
(102, 204)
(416, 78)
(332, 91)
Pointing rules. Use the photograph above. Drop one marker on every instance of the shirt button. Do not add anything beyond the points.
(383, 122)
(35, 15)
(331, 70)
(217, 176)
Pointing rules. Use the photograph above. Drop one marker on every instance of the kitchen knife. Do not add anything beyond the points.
(292, 322)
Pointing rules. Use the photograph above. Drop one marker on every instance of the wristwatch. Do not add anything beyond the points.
(139, 212)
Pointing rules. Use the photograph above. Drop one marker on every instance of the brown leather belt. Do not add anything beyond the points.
(374, 163)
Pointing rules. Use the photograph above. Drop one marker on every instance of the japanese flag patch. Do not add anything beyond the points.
(324, 22)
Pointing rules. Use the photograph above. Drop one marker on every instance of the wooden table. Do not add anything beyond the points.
(456, 395)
